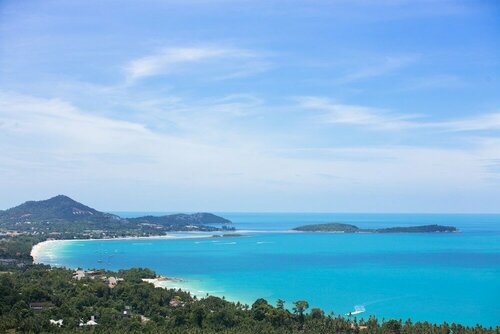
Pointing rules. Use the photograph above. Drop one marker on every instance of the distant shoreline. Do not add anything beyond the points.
(38, 248)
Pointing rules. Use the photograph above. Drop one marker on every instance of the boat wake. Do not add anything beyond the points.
(362, 308)
(357, 310)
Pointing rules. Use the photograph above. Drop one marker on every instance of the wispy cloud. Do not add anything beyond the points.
(203, 117)
(439, 81)
(55, 119)
(52, 142)
(338, 113)
(484, 122)
(379, 68)
(169, 60)
(381, 119)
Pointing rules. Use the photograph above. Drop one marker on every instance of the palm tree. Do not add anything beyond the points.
(299, 308)
(280, 303)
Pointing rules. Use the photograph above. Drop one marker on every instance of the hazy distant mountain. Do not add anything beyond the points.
(58, 208)
(182, 218)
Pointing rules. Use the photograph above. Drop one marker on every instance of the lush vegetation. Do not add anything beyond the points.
(15, 251)
(182, 219)
(347, 228)
(330, 227)
(418, 229)
(61, 217)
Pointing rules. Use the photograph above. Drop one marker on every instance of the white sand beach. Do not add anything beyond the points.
(43, 249)
(195, 288)
(49, 249)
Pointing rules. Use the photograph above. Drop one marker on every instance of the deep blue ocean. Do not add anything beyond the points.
(453, 277)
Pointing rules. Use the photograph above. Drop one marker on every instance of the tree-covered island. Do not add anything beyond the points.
(348, 228)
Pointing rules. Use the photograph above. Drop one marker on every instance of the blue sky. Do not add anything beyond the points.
(352, 106)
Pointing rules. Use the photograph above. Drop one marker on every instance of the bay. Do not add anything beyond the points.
(451, 277)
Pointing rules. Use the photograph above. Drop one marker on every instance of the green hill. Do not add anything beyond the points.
(182, 219)
(58, 208)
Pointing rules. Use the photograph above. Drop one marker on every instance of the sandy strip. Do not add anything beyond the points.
(41, 247)
(194, 288)
(176, 284)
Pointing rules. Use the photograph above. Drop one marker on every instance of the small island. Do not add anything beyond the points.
(348, 228)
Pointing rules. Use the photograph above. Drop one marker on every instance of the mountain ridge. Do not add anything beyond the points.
(60, 207)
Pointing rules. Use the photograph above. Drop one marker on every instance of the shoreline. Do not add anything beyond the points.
(195, 289)
(177, 283)
(162, 281)
(38, 248)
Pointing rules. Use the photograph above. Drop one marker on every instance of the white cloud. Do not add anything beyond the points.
(49, 135)
(484, 122)
(380, 68)
(55, 146)
(56, 119)
(338, 113)
(168, 60)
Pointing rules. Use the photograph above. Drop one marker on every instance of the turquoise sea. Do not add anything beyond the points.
(453, 277)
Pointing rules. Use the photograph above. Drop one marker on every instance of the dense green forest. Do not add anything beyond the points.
(16, 250)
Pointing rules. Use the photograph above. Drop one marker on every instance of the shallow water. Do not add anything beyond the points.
(451, 277)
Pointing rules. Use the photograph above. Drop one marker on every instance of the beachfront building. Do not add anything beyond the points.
(80, 274)
(111, 282)
(58, 323)
(176, 302)
(91, 322)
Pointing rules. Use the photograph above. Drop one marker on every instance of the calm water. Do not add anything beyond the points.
(437, 277)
